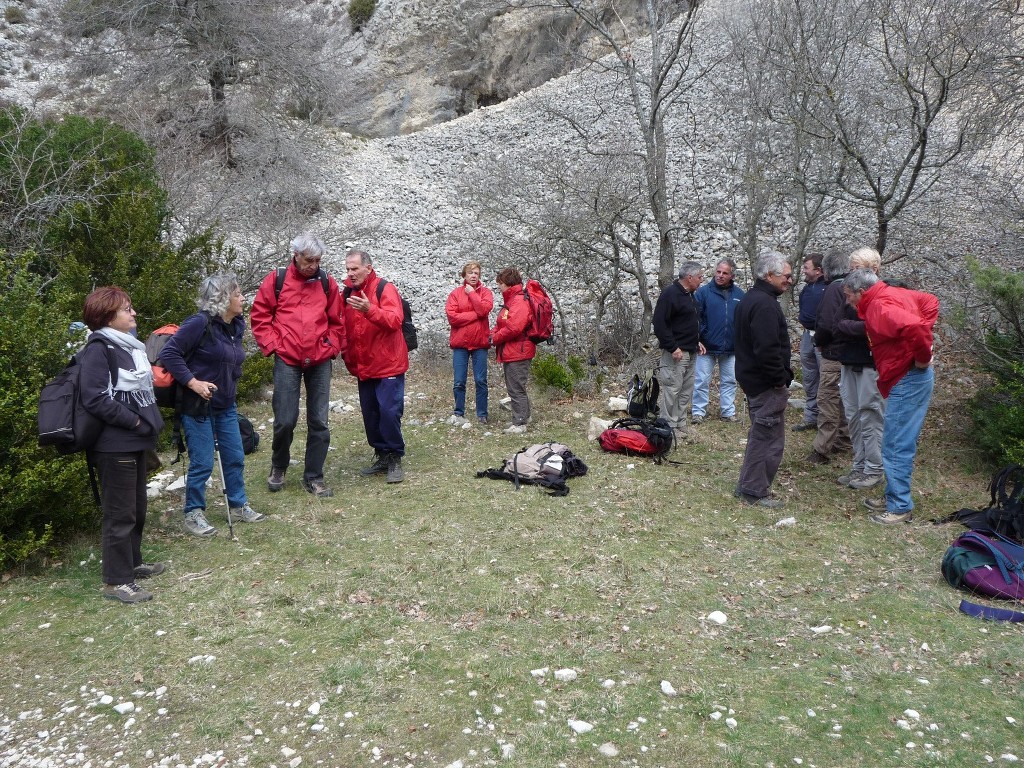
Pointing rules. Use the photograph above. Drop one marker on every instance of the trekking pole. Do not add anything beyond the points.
(223, 482)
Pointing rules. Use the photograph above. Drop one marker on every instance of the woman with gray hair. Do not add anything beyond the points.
(205, 357)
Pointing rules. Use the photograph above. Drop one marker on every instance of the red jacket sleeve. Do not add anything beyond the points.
(261, 317)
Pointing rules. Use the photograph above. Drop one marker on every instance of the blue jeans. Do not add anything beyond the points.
(460, 363)
(287, 382)
(810, 359)
(199, 439)
(726, 384)
(382, 402)
(905, 410)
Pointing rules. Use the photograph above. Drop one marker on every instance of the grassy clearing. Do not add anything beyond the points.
(399, 625)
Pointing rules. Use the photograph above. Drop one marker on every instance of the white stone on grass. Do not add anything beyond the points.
(507, 750)
(785, 522)
(667, 688)
(913, 714)
(580, 726)
(566, 675)
(731, 722)
(824, 628)
(609, 683)
(608, 749)
(541, 672)
(717, 617)
(314, 708)
(716, 715)
(124, 707)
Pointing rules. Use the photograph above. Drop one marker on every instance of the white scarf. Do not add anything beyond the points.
(134, 385)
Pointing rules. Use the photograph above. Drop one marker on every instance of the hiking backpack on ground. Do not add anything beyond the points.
(63, 421)
(546, 464)
(642, 396)
(639, 437)
(1005, 511)
(408, 328)
(541, 326)
(985, 563)
(250, 437)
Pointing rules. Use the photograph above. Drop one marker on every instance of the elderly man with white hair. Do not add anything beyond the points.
(764, 370)
(296, 317)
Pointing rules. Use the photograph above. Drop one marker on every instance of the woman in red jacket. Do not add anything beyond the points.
(468, 309)
(513, 349)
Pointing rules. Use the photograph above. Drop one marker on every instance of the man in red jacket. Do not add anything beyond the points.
(378, 357)
(296, 317)
(513, 348)
(899, 325)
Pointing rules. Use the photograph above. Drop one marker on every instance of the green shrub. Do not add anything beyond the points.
(41, 494)
(87, 194)
(257, 373)
(998, 413)
(360, 12)
(998, 410)
(546, 369)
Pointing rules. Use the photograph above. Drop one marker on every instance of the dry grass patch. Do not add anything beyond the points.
(402, 625)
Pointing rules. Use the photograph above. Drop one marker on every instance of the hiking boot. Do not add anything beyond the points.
(380, 464)
(853, 474)
(875, 505)
(318, 488)
(892, 518)
(863, 481)
(816, 458)
(516, 429)
(765, 502)
(697, 419)
(196, 524)
(246, 514)
(145, 570)
(276, 480)
(483, 420)
(730, 419)
(804, 426)
(395, 473)
(126, 593)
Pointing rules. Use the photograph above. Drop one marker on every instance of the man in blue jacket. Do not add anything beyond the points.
(716, 308)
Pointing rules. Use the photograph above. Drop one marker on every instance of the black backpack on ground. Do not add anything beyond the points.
(408, 328)
(642, 396)
(250, 437)
(1005, 511)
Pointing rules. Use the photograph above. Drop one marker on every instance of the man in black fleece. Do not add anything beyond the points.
(678, 331)
(764, 371)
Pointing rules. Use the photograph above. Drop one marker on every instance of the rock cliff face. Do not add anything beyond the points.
(419, 63)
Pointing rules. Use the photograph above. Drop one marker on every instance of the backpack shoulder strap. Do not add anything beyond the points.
(380, 288)
(109, 351)
(279, 281)
(324, 282)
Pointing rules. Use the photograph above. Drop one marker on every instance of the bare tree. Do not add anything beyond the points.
(164, 49)
(888, 84)
(651, 82)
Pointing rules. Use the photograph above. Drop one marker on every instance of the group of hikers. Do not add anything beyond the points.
(866, 355)
(302, 317)
(870, 355)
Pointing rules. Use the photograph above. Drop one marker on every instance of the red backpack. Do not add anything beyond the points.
(542, 313)
(163, 382)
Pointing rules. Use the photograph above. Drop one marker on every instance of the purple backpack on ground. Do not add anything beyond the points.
(985, 563)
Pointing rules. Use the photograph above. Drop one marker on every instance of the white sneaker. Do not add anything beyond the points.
(516, 429)
(195, 523)
(246, 514)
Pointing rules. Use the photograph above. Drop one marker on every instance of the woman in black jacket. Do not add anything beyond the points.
(126, 405)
